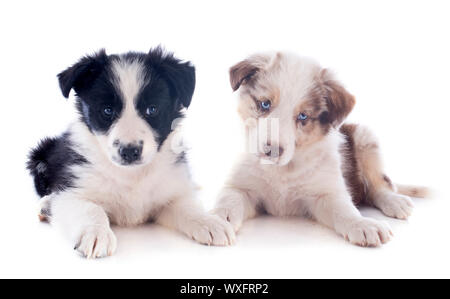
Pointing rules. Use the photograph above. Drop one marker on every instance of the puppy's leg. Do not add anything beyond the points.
(382, 193)
(188, 217)
(235, 207)
(339, 213)
(86, 224)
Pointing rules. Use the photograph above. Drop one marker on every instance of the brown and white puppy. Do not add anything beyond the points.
(306, 161)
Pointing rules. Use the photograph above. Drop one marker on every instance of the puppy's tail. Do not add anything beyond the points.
(413, 191)
(38, 165)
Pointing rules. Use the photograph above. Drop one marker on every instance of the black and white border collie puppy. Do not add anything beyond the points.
(116, 164)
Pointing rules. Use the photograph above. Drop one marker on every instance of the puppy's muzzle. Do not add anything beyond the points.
(130, 153)
(273, 152)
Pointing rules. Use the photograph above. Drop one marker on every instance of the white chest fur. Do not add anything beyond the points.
(288, 190)
(134, 195)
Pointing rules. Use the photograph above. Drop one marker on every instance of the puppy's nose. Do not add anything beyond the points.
(271, 153)
(130, 153)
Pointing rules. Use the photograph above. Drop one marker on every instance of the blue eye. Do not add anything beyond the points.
(265, 106)
(151, 111)
(108, 112)
(302, 116)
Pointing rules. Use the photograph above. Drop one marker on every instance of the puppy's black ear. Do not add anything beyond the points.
(242, 73)
(179, 75)
(81, 75)
(339, 101)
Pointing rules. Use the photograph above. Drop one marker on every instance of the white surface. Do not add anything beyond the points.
(392, 55)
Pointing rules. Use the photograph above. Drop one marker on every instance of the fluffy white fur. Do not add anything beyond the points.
(312, 184)
(158, 189)
(108, 193)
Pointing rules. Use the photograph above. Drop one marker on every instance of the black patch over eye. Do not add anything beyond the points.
(151, 111)
(158, 108)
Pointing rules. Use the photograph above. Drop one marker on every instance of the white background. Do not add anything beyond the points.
(393, 55)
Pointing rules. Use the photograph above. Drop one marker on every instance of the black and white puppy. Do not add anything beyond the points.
(116, 164)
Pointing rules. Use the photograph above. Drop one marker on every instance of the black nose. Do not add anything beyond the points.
(130, 153)
(271, 153)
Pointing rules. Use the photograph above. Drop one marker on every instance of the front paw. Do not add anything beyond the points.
(366, 232)
(97, 242)
(211, 230)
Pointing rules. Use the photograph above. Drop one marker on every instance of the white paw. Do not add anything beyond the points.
(231, 215)
(211, 230)
(367, 232)
(97, 242)
(395, 205)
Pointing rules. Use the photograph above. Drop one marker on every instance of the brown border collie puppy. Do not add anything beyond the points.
(305, 160)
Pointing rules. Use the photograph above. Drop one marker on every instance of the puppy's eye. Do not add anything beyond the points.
(265, 105)
(108, 112)
(302, 116)
(151, 111)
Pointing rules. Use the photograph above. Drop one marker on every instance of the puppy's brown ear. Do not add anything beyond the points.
(339, 101)
(241, 73)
